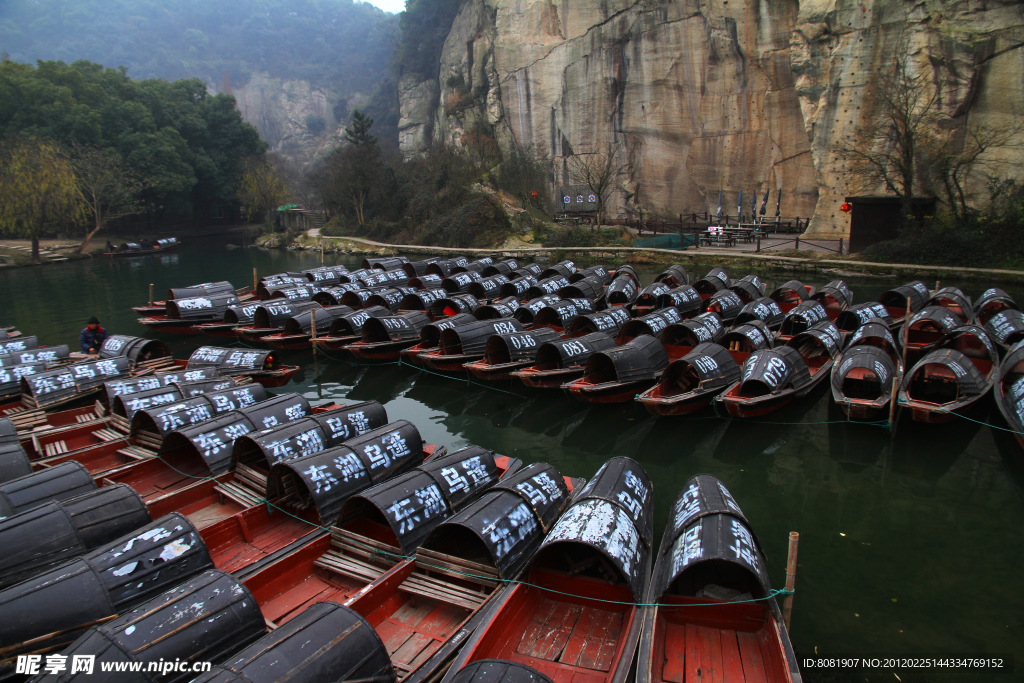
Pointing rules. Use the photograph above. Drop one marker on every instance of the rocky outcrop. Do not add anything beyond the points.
(295, 117)
(697, 96)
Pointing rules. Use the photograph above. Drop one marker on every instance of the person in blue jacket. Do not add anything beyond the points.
(92, 336)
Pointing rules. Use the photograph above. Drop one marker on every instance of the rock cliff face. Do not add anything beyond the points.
(296, 117)
(694, 96)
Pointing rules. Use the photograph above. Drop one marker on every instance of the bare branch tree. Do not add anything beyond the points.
(962, 158)
(889, 154)
(107, 187)
(596, 170)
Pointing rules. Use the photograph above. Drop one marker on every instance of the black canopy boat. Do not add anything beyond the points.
(426, 282)
(692, 382)
(332, 296)
(462, 567)
(682, 337)
(560, 361)
(710, 614)
(651, 324)
(564, 269)
(1009, 391)
(421, 299)
(503, 267)
(791, 294)
(575, 616)
(1006, 328)
(726, 303)
(952, 378)
(44, 537)
(623, 289)
(507, 352)
(488, 287)
(385, 337)
(819, 346)
(419, 268)
(458, 283)
(389, 297)
(326, 642)
(608, 321)
(926, 329)
(674, 276)
(528, 310)
(855, 316)
(298, 329)
(50, 356)
(372, 529)
(518, 285)
(867, 375)
(714, 281)
(771, 379)
(10, 379)
(497, 308)
(259, 365)
(71, 384)
(268, 283)
(385, 263)
(749, 288)
(31, 491)
(446, 267)
(51, 609)
(743, 340)
(270, 318)
(647, 300)
(992, 302)
(559, 315)
(453, 304)
(326, 276)
(102, 448)
(203, 289)
(598, 271)
(547, 287)
(626, 270)
(765, 310)
(684, 298)
(953, 299)
(383, 278)
(181, 316)
(801, 317)
(347, 329)
(14, 461)
(895, 300)
(466, 343)
(835, 297)
(234, 316)
(590, 288)
(618, 375)
(430, 336)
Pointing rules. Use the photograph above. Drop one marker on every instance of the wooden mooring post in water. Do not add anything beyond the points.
(254, 282)
(150, 293)
(787, 604)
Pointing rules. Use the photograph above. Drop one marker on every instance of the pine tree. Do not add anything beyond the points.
(359, 133)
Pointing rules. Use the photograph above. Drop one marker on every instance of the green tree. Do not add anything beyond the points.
(37, 190)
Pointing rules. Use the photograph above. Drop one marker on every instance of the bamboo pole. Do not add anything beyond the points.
(905, 335)
(150, 293)
(787, 604)
(312, 325)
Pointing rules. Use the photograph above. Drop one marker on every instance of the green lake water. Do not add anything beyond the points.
(910, 543)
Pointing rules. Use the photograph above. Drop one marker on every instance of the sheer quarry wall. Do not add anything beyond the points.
(700, 96)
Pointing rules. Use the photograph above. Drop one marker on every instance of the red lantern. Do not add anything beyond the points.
(534, 194)
(846, 208)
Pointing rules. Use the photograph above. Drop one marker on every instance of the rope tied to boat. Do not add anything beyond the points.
(946, 411)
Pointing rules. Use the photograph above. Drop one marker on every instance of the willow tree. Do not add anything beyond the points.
(261, 188)
(37, 190)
